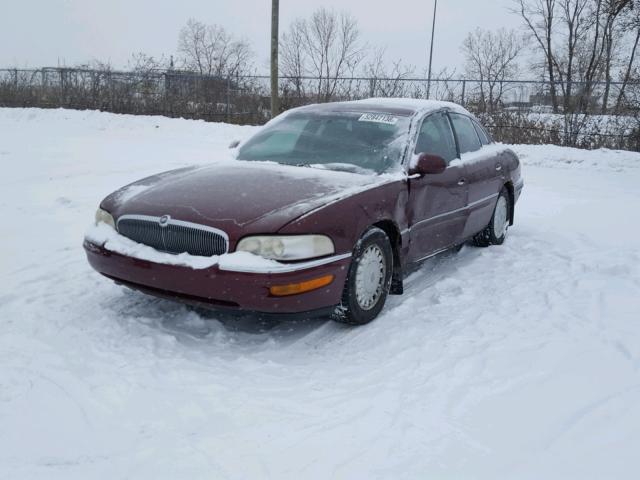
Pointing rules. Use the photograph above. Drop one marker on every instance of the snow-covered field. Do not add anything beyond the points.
(513, 362)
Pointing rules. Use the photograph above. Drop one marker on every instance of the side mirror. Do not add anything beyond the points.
(428, 164)
(234, 144)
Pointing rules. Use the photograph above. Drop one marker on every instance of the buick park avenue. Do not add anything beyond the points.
(320, 213)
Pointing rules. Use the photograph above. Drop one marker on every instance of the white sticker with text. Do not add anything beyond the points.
(379, 118)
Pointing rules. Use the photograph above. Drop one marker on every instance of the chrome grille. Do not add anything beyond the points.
(174, 236)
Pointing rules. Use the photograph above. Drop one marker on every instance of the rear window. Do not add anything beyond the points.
(466, 133)
(482, 133)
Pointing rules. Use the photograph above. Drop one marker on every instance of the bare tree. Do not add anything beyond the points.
(492, 57)
(293, 57)
(210, 50)
(328, 47)
(143, 63)
(576, 24)
(386, 81)
(605, 14)
(631, 23)
(581, 41)
(632, 100)
(147, 72)
(539, 18)
(443, 86)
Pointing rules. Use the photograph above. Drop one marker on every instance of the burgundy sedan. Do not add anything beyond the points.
(320, 213)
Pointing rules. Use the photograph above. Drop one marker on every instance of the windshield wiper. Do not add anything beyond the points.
(341, 167)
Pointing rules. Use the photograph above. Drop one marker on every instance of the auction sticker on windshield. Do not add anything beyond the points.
(379, 118)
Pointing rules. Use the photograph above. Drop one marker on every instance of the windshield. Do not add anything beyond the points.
(354, 142)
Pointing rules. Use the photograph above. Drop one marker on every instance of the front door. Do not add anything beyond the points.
(484, 172)
(437, 203)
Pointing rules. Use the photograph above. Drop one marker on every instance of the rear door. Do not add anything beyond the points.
(437, 203)
(483, 171)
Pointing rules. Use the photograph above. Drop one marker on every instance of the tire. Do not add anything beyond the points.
(368, 281)
(496, 231)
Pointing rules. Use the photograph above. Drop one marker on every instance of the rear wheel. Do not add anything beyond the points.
(368, 281)
(496, 231)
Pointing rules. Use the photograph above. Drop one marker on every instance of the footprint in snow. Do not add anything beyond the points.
(64, 201)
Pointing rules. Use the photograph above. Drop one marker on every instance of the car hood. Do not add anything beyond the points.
(233, 196)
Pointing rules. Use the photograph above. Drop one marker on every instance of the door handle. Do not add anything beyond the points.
(498, 167)
(462, 181)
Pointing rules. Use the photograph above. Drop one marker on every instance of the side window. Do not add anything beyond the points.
(436, 138)
(482, 133)
(467, 136)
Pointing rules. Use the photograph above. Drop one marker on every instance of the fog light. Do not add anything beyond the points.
(296, 288)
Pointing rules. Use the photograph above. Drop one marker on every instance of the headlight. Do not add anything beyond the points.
(298, 247)
(102, 216)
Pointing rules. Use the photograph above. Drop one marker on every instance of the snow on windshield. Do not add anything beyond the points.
(355, 142)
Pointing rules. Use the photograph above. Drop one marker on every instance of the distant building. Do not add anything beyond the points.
(544, 99)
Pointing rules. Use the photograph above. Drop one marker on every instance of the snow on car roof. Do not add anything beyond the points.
(399, 106)
(415, 104)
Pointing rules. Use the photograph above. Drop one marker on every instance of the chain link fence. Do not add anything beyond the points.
(171, 93)
(516, 111)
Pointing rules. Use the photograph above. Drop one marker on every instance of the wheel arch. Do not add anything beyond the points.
(512, 203)
(395, 238)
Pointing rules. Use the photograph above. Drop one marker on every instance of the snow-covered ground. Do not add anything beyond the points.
(513, 362)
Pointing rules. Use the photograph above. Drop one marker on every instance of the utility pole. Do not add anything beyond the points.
(275, 18)
(433, 31)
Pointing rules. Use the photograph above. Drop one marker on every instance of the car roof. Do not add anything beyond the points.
(395, 106)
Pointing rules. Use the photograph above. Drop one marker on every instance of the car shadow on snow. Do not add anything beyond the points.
(191, 324)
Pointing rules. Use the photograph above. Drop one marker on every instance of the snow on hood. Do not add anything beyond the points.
(236, 193)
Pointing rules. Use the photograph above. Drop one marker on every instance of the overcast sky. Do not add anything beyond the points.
(35, 33)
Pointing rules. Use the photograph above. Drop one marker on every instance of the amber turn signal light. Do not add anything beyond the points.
(296, 288)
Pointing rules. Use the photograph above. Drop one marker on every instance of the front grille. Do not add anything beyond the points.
(173, 236)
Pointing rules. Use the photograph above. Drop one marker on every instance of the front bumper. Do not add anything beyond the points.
(216, 288)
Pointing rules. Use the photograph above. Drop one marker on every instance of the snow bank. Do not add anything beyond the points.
(551, 156)
(93, 120)
(604, 124)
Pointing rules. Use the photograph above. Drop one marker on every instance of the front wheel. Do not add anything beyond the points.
(496, 231)
(368, 281)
